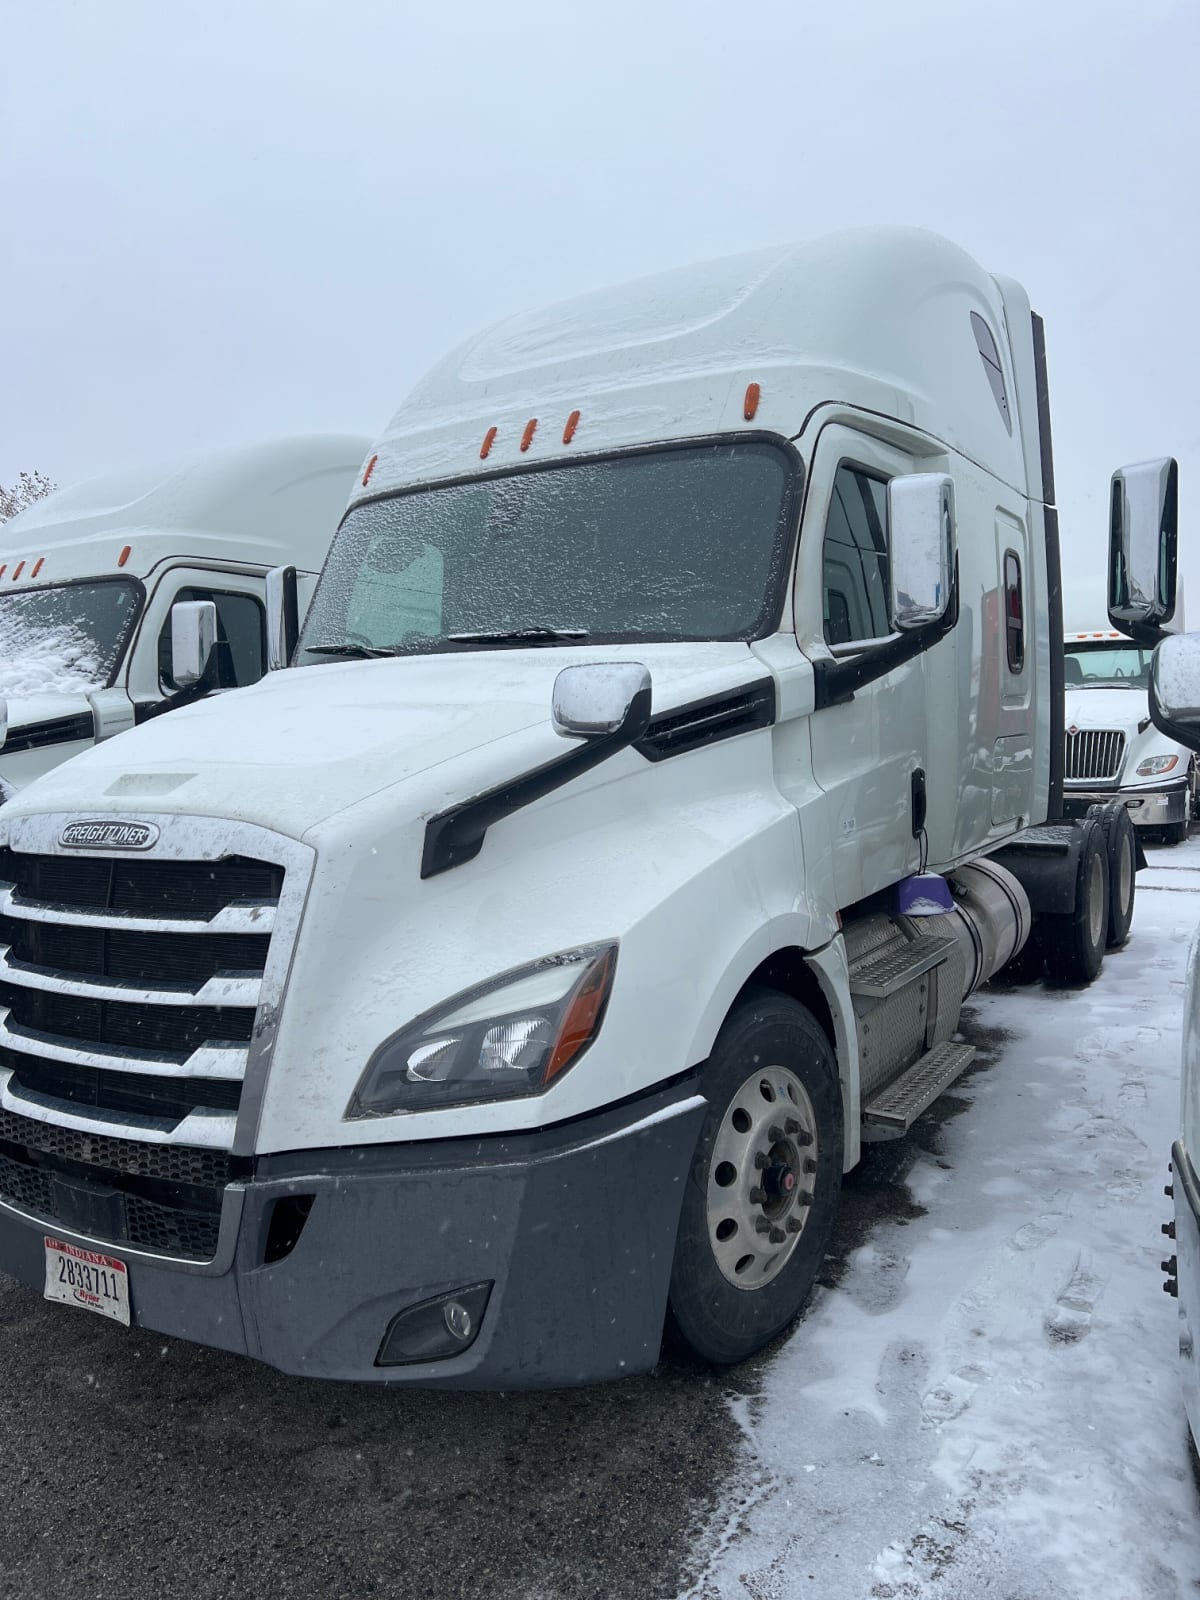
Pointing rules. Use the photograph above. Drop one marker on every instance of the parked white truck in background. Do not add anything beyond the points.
(89, 577)
(524, 967)
(1114, 751)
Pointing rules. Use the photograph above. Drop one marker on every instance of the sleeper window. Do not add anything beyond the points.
(1014, 612)
(855, 559)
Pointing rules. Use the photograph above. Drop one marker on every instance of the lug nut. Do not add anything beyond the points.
(1170, 1266)
(1171, 1287)
(757, 1196)
(1169, 1191)
(804, 1198)
(761, 1225)
(794, 1224)
(792, 1125)
(809, 1164)
(1169, 1229)
(761, 1161)
(777, 1235)
(775, 1133)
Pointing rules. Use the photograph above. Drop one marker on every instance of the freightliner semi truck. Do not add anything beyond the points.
(90, 576)
(673, 742)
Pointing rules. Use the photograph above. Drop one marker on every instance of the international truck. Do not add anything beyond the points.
(674, 741)
(90, 576)
(1114, 751)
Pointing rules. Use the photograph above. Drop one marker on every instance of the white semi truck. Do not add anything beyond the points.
(673, 743)
(1114, 751)
(89, 578)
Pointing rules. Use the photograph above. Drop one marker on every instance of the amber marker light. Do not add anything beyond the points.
(125, 555)
(18, 570)
(584, 1014)
(37, 566)
(569, 430)
(527, 436)
(369, 471)
(489, 439)
(750, 405)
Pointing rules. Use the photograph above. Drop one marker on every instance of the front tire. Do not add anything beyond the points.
(764, 1184)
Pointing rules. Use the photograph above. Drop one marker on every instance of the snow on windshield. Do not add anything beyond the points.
(66, 639)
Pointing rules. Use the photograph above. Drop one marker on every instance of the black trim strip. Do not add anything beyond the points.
(703, 722)
(1058, 671)
(58, 730)
(1045, 440)
(456, 836)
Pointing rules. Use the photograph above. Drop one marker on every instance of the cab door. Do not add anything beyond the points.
(868, 753)
(241, 630)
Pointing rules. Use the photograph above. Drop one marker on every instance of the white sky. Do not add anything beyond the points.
(224, 221)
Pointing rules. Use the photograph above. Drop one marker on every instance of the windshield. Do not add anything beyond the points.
(1107, 666)
(683, 543)
(66, 639)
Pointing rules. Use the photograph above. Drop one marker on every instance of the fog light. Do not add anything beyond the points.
(435, 1329)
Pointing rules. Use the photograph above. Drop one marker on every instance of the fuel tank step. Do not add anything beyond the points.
(893, 1110)
(879, 974)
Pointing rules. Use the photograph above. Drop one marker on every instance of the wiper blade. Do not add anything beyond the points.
(532, 635)
(356, 652)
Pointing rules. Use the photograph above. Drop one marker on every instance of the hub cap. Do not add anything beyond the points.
(760, 1177)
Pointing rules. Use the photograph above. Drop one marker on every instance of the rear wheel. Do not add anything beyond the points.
(763, 1188)
(1073, 942)
(1121, 849)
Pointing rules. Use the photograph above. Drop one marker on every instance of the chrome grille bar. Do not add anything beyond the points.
(227, 1063)
(258, 917)
(216, 992)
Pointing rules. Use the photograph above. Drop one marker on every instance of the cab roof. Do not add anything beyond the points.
(879, 318)
(267, 504)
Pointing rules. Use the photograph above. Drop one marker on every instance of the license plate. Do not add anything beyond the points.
(84, 1278)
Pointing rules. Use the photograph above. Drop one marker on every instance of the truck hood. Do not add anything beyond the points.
(310, 742)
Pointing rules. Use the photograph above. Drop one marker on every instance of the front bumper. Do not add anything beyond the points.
(1148, 808)
(573, 1226)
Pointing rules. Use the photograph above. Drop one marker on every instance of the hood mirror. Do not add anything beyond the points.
(112, 712)
(1175, 689)
(602, 698)
(1143, 542)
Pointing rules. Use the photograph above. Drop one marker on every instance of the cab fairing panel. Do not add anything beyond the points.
(693, 864)
(876, 317)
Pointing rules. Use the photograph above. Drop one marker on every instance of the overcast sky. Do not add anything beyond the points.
(223, 221)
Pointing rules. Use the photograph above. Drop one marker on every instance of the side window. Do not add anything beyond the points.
(1014, 612)
(241, 639)
(855, 559)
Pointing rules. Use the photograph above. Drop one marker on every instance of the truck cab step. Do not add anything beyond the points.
(879, 974)
(894, 1109)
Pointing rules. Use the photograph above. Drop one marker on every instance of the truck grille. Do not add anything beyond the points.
(162, 1199)
(1094, 753)
(128, 996)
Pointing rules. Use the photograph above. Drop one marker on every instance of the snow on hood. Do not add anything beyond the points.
(27, 709)
(1107, 708)
(310, 742)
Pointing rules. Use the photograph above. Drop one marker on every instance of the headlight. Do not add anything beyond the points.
(1155, 766)
(512, 1036)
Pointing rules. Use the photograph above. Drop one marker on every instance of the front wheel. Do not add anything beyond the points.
(764, 1183)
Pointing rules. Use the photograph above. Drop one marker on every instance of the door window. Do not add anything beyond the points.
(241, 639)
(855, 559)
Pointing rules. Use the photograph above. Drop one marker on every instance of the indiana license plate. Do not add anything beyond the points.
(85, 1278)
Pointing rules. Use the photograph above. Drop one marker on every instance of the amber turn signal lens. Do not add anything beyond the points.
(584, 1014)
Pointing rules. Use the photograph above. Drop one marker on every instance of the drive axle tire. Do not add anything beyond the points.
(764, 1183)
(1073, 942)
(1121, 848)
(1175, 833)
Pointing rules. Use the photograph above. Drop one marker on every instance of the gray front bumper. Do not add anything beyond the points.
(1148, 808)
(573, 1226)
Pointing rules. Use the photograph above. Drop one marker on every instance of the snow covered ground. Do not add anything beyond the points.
(988, 1403)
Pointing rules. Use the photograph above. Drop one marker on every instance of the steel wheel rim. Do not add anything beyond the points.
(1096, 898)
(760, 1177)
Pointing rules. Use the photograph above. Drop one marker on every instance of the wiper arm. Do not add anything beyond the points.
(531, 635)
(356, 652)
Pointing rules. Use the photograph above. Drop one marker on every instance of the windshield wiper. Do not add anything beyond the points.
(357, 652)
(531, 635)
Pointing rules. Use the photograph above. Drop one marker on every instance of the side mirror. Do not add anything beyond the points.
(113, 712)
(923, 540)
(283, 617)
(193, 640)
(1175, 689)
(1142, 545)
(602, 698)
